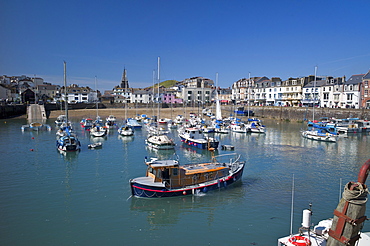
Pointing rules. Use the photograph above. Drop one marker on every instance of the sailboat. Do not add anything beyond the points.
(314, 130)
(98, 129)
(254, 125)
(156, 139)
(67, 140)
(218, 124)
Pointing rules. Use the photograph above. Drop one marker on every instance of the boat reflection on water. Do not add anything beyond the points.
(168, 211)
(126, 139)
(68, 156)
(161, 154)
(192, 154)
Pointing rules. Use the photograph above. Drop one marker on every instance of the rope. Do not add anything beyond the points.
(356, 196)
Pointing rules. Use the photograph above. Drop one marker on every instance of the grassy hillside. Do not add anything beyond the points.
(166, 84)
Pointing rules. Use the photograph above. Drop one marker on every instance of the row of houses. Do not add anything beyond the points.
(320, 91)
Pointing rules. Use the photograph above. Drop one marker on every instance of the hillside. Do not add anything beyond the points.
(166, 84)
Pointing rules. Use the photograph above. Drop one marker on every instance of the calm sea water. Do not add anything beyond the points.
(84, 198)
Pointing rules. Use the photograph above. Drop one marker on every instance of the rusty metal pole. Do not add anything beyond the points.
(350, 212)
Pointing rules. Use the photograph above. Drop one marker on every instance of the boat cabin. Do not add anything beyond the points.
(173, 175)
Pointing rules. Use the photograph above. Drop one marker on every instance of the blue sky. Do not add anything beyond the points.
(285, 38)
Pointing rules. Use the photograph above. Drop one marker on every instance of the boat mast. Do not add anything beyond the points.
(65, 91)
(125, 101)
(97, 106)
(158, 77)
(218, 106)
(249, 91)
(292, 208)
(314, 96)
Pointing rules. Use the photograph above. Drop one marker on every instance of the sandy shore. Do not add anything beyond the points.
(120, 113)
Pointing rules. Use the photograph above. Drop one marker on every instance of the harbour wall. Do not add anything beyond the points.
(278, 113)
(9, 111)
(304, 113)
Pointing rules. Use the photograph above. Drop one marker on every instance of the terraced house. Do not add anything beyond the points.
(320, 91)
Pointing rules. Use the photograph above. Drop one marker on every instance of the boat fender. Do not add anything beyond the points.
(184, 192)
(205, 189)
(299, 241)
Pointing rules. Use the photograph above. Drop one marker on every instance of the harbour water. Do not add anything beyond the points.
(84, 198)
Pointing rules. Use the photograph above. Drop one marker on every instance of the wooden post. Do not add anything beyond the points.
(350, 212)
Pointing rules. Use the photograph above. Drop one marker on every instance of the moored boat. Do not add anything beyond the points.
(95, 145)
(111, 121)
(160, 141)
(68, 143)
(255, 126)
(36, 126)
(166, 178)
(195, 138)
(98, 130)
(87, 123)
(126, 130)
(320, 133)
(133, 123)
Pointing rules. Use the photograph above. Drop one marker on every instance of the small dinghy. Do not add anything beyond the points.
(95, 145)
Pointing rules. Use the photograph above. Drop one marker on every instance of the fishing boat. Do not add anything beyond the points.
(126, 130)
(160, 141)
(320, 133)
(167, 178)
(345, 227)
(194, 137)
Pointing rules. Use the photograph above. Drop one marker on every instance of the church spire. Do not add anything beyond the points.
(124, 81)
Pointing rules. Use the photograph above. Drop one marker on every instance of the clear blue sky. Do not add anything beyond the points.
(193, 38)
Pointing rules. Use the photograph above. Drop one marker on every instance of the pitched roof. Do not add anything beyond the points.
(367, 76)
(355, 79)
